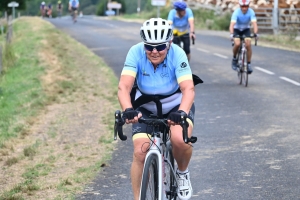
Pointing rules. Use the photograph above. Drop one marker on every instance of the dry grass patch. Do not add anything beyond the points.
(62, 150)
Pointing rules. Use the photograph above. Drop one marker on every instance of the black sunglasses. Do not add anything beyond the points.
(244, 6)
(159, 47)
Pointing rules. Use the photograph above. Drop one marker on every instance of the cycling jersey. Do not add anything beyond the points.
(243, 20)
(164, 80)
(74, 3)
(180, 25)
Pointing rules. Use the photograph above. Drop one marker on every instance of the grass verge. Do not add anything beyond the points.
(55, 107)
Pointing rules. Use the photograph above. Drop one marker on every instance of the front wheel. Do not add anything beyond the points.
(149, 188)
(169, 179)
(245, 71)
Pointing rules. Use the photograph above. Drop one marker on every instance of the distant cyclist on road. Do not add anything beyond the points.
(182, 19)
(73, 7)
(49, 10)
(239, 26)
(43, 9)
(59, 8)
(161, 69)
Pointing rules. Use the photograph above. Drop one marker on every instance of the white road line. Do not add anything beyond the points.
(221, 56)
(203, 50)
(264, 70)
(289, 80)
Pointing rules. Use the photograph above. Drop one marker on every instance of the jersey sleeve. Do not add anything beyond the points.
(234, 16)
(183, 70)
(131, 63)
(171, 16)
(190, 13)
(253, 17)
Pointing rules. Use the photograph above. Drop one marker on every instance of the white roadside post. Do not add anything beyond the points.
(158, 3)
(13, 4)
(275, 17)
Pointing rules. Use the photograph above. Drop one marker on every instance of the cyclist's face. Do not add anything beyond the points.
(156, 57)
(180, 13)
(244, 8)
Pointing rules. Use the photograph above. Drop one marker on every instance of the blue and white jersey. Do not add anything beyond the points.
(74, 3)
(242, 21)
(164, 80)
(180, 24)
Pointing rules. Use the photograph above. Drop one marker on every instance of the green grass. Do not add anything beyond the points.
(21, 93)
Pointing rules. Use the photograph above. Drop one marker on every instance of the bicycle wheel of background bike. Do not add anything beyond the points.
(149, 188)
(245, 72)
(170, 182)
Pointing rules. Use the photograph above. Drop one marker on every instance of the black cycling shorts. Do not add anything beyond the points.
(74, 8)
(144, 128)
(185, 39)
(245, 32)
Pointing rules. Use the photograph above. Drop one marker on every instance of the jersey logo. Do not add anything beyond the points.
(183, 65)
(145, 73)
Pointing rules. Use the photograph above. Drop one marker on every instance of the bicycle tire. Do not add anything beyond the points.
(150, 179)
(170, 182)
(239, 69)
(245, 71)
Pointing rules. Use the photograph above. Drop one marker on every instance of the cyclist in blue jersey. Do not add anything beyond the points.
(182, 19)
(159, 68)
(73, 7)
(239, 26)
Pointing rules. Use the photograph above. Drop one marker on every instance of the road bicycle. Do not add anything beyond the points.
(159, 177)
(242, 69)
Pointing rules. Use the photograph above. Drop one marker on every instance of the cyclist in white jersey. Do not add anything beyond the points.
(159, 68)
(240, 25)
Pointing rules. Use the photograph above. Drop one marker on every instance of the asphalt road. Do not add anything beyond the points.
(248, 138)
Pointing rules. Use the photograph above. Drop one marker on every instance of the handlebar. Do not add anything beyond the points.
(120, 121)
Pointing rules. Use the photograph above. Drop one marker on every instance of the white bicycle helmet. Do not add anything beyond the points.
(156, 31)
(244, 2)
(43, 3)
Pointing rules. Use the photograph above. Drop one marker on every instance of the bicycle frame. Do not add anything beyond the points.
(159, 146)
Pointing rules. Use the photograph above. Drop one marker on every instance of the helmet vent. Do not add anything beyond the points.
(143, 35)
(155, 34)
(162, 34)
(149, 35)
(169, 34)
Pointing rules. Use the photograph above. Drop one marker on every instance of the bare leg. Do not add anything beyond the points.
(182, 152)
(249, 50)
(137, 165)
(237, 43)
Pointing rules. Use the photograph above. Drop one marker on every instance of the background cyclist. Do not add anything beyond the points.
(182, 19)
(73, 7)
(160, 68)
(59, 8)
(241, 20)
(43, 9)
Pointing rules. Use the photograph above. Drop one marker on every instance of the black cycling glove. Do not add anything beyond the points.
(130, 113)
(176, 116)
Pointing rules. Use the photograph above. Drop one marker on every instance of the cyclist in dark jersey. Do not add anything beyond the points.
(59, 8)
(49, 10)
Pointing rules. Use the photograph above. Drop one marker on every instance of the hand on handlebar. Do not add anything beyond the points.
(131, 115)
(175, 118)
(256, 36)
(231, 37)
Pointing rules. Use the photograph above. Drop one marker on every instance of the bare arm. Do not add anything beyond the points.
(188, 95)
(255, 28)
(124, 88)
(231, 27)
(192, 25)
